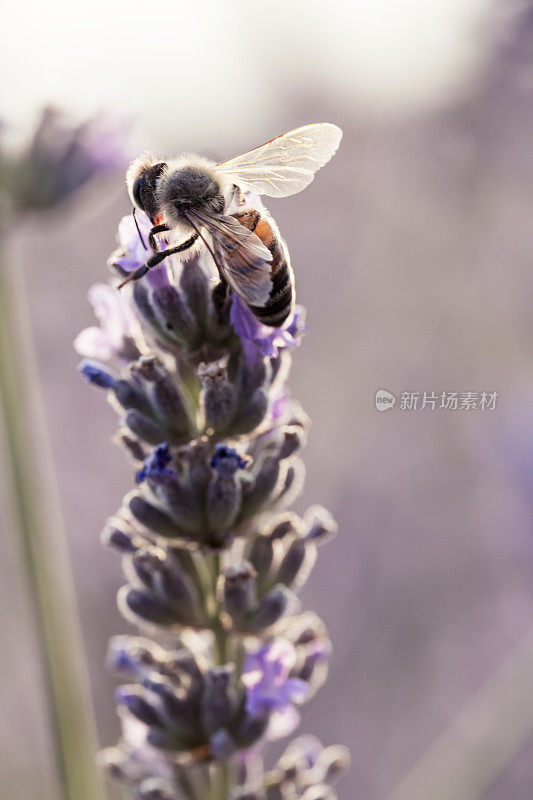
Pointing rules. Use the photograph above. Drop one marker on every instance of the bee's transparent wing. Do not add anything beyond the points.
(240, 255)
(287, 164)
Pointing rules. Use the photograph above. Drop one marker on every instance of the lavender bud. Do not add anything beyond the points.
(300, 755)
(125, 541)
(170, 406)
(145, 606)
(294, 438)
(297, 563)
(291, 562)
(274, 791)
(162, 739)
(218, 396)
(225, 492)
(222, 744)
(174, 315)
(270, 609)
(149, 369)
(218, 700)
(129, 397)
(197, 456)
(320, 527)
(96, 374)
(247, 376)
(183, 662)
(261, 554)
(292, 483)
(134, 698)
(167, 402)
(180, 713)
(331, 763)
(283, 525)
(132, 444)
(113, 761)
(179, 502)
(266, 478)
(144, 427)
(129, 654)
(314, 669)
(252, 414)
(238, 590)
(164, 578)
(152, 517)
(142, 299)
(223, 503)
(251, 729)
(194, 284)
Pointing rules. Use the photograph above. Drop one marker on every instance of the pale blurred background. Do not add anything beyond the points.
(412, 252)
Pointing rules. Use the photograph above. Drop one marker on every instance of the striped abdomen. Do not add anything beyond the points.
(281, 299)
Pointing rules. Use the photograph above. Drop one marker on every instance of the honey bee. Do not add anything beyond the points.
(198, 203)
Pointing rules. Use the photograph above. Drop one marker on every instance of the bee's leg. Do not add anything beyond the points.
(141, 271)
(157, 258)
(220, 298)
(220, 292)
(151, 236)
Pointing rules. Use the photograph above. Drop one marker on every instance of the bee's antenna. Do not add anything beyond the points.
(133, 210)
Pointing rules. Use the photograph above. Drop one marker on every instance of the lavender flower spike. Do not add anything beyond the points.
(60, 159)
(212, 559)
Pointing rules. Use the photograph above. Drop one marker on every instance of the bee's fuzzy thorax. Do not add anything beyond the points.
(187, 177)
(191, 160)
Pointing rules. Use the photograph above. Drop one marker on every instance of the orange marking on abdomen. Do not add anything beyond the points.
(265, 232)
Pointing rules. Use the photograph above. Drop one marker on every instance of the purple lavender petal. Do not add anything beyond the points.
(282, 723)
(117, 323)
(92, 343)
(296, 690)
(280, 405)
(129, 239)
(267, 341)
(266, 676)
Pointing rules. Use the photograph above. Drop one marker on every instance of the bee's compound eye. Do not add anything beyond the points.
(138, 190)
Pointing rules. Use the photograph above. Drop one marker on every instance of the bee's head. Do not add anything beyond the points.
(189, 183)
(141, 179)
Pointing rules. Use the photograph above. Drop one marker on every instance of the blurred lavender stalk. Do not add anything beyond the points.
(212, 561)
(481, 741)
(58, 161)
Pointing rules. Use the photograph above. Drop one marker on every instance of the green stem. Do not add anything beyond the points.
(43, 551)
(221, 636)
(222, 774)
(185, 783)
(224, 780)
